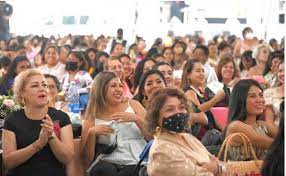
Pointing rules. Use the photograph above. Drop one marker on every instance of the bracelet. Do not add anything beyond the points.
(218, 169)
(222, 168)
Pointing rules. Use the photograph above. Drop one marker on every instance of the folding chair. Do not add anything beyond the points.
(143, 157)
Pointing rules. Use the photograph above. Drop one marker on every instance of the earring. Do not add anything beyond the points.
(158, 130)
(145, 101)
(23, 102)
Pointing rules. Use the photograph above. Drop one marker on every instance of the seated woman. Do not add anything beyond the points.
(227, 72)
(274, 97)
(246, 105)
(36, 138)
(167, 71)
(107, 106)
(140, 69)
(150, 81)
(19, 64)
(174, 152)
(75, 67)
(53, 85)
(52, 65)
(260, 54)
(193, 85)
(271, 68)
(247, 61)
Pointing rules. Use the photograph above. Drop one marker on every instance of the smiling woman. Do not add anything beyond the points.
(110, 119)
(246, 105)
(30, 134)
(150, 82)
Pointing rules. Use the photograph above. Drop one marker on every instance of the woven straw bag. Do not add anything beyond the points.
(240, 168)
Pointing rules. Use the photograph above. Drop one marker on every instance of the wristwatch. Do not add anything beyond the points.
(222, 168)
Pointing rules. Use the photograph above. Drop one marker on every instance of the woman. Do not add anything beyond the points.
(19, 64)
(271, 68)
(150, 81)
(180, 56)
(107, 105)
(63, 55)
(98, 65)
(248, 42)
(245, 107)
(246, 63)
(91, 53)
(36, 138)
(141, 68)
(193, 85)
(128, 70)
(213, 54)
(76, 73)
(260, 54)
(53, 85)
(274, 96)
(167, 71)
(227, 72)
(174, 152)
(168, 55)
(52, 66)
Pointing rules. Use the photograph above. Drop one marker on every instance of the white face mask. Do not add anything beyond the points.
(249, 35)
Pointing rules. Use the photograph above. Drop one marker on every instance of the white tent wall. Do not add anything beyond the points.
(106, 16)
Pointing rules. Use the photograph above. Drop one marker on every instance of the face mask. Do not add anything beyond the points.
(71, 66)
(249, 35)
(176, 123)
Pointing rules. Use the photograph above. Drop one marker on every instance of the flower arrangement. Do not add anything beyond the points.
(7, 106)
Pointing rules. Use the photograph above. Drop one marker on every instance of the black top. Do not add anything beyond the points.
(27, 131)
(211, 120)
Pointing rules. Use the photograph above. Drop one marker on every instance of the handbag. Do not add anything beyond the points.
(240, 168)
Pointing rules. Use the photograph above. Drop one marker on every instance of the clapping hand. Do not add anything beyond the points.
(48, 125)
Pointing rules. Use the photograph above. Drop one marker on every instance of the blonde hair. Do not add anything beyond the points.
(258, 49)
(21, 81)
(97, 101)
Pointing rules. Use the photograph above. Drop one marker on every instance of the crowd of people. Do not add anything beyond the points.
(165, 93)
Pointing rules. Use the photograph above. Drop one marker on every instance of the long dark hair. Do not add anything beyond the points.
(238, 97)
(82, 56)
(11, 73)
(273, 55)
(188, 68)
(274, 159)
(246, 54)
(139, 96)
(139, 70)
(99, 66)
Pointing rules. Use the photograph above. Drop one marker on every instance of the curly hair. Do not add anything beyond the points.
(158, 100)
(21, 81)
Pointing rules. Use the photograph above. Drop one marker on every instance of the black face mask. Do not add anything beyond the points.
(71, 66)
(176, 123)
